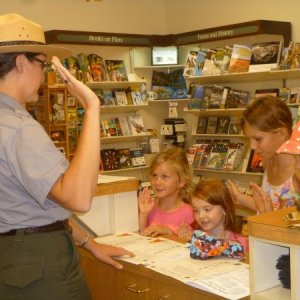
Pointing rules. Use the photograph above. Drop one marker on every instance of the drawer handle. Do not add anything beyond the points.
(132, 289)
(163, 297)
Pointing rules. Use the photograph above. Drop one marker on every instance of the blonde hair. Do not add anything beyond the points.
(267, 114)
(178, 159)
(215, 192)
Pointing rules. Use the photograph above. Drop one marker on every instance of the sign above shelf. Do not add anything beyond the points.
(252, 28)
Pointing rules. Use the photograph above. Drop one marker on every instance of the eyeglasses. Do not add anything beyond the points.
(44, 64)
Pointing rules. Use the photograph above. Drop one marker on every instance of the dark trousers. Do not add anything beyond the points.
(41, 266)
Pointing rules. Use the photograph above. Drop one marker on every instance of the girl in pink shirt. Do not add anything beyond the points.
(170, 178)
(214, 212)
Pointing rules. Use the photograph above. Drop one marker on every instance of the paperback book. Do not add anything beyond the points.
(116, 70)
(124, 157)
(97, 67)
(121, 98)
(137, 157)
(191, 63)
(108, 98)
(110, 159)
(85, 67)
(136, 124)
(265, 56)
(223, 125)
(237, 99)
(169, 85)
(240, 59)
(202, 125)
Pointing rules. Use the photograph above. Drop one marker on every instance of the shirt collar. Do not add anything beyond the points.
(8, 102)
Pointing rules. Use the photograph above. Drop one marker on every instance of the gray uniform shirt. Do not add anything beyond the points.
(30, 164)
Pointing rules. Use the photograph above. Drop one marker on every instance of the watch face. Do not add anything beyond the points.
(110, 159)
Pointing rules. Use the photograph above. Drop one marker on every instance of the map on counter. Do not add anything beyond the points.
(225, 277)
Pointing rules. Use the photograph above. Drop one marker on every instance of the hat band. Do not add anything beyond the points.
(16, 43)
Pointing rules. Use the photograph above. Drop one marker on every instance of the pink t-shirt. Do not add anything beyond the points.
(184, 214)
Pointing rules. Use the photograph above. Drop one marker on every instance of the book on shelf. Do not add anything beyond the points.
(209, 67)
(191, 63)
(200, 148)
(218, 97)
(196, 93)
(294, 97)
(112, 130)
(116, 70)
(169, 85)
(290, 56)
(240, 59)
(108, 97)
(190, 155)
(121, 98)
(237, 98)
(97, 66)
(265, 56)
(255, 163)
(103, 133)
(212, 125)
(222, 125)
(284, 94)
(231, 159)
(137, 157)
(105, 127)
(124, 157)
(266, 92)
(202, 125)
(205, 156)
(118, 126)
(206, 96)
(136, 97)
(199, 63)
(72, 65)
(136, 124)
(85, 67)
(99, 93)
(235, 126)
(223, 150)
(221, 58)
(110, 159)
(124, 126)
(213, 157)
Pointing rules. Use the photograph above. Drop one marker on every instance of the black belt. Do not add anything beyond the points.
(59, 225)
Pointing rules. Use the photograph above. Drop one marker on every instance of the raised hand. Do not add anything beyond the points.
(146, 201)
(75, 87)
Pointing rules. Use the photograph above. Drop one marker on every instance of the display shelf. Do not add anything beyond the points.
(159, 67)
(270, 237)
(114, 84)
(120, 109)
(216, 112)
(123, 139)
(246, 77)
(223, 136)
(168, 100)
(197, 171)
(125, 170)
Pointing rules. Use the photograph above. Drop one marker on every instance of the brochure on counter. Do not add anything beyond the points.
(226, 277)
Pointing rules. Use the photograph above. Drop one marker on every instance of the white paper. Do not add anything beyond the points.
(223, 276)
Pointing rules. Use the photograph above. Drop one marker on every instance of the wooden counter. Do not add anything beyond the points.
(136, 282)
(270, 237)
(114, 207)
(131, 184)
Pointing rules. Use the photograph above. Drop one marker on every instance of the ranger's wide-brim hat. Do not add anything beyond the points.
(18, 34)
